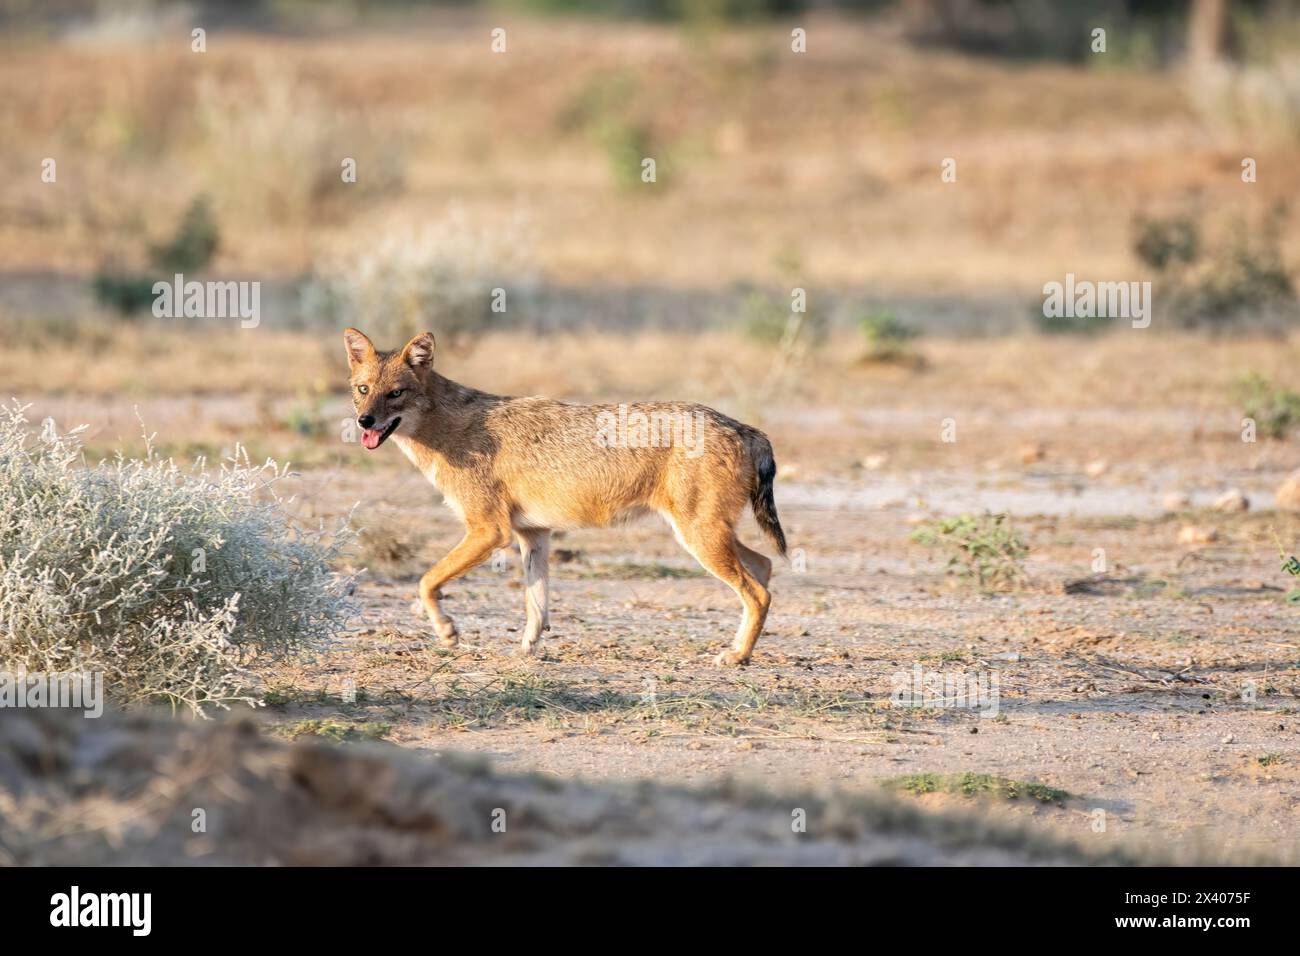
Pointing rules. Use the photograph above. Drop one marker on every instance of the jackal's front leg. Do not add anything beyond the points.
(475, 548)
(534, 549)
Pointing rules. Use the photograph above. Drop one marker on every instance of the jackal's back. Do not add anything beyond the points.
(569, 465)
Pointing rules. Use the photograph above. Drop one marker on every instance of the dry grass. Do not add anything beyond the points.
(833, 157)
(1008, 373)
(281, 394)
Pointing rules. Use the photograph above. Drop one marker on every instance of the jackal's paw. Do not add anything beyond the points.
(447, 633)
(731, 659)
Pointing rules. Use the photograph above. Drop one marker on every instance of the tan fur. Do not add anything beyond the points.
(514, 469)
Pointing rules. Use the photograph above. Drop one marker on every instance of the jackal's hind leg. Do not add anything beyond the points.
(759, 565)
(714, 545)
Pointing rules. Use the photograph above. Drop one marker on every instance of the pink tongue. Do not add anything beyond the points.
(370, 437)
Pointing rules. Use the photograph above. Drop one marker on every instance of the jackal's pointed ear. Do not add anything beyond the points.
(419, 351)
(360, 349)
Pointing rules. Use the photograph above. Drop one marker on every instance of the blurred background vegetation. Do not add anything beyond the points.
(775, 170)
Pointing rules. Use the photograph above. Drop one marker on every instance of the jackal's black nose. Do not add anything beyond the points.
(366, 421)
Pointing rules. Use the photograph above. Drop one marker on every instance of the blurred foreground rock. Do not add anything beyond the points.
(129, 790)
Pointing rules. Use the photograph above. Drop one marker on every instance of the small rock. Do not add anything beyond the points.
(1288, 493)
(1034, 451)
(1232, 500)
(875, 462)
(1195, 534)
(1176, 501)
(730, 138)
(1096, 468)
(1227, 739)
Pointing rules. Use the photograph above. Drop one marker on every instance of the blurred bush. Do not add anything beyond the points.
(1275, 410)
(1253, 88)
(1243, 280)
(1019, 28)
(440, 276)
(888, 339)
(665, 9)
(189, 250)
(611, 111)
(299, 141)
(127, 293)
(770, 320)
(1163, 243)
(194, 243)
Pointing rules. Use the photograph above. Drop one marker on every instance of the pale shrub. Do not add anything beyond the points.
(438, 276)
(1256, 100)
(270, 147)
(167, 581)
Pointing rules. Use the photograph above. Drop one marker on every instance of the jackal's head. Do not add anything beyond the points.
(388, 388)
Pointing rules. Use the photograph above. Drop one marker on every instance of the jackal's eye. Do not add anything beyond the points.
(363, 389)
(396, 393)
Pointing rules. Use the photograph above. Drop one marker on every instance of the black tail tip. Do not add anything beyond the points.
(763, 501)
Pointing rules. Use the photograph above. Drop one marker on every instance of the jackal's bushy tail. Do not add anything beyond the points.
(761, 495)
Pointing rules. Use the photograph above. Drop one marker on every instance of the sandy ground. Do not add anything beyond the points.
(1130, 701)
(1159, 693)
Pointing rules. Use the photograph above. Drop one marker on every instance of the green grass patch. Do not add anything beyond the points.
(888, 340)
(974, 785)
(984, 550)
(1275, 410)
(339, 731)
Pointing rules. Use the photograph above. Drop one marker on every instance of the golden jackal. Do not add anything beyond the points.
(526, 466)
